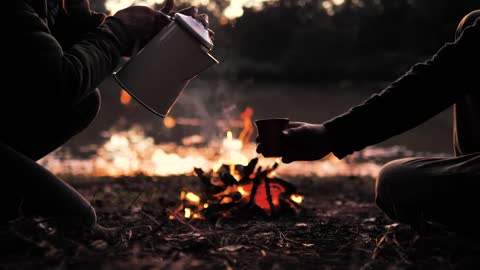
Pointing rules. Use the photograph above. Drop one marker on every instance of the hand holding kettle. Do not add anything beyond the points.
(143, 23)
(178, 51)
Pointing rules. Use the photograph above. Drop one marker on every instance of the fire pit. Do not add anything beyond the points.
(239, 191)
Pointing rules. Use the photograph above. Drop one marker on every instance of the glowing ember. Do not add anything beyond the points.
(192, 197)
(188, 212)
(271, 174)
(242, 191)
(296, 198)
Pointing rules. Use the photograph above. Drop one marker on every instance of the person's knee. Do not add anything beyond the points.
(389, 185)
(389, 177)
(467, 21)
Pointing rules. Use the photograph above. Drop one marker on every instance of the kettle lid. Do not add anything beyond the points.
(195, 28)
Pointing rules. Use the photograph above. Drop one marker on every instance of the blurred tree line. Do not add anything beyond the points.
(316, 40)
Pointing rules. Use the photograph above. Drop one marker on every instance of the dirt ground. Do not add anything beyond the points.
(338, 228)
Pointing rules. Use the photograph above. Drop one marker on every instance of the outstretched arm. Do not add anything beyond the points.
(427, 89)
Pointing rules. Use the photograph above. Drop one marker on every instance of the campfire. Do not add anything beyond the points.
(239, 191)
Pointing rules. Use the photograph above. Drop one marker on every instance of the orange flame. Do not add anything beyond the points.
(232, 153)
(232, 170)
(247, 131)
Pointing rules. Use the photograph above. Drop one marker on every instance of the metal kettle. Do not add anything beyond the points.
(165, 66)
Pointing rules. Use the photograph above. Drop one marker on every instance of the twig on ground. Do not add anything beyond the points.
(135, 200)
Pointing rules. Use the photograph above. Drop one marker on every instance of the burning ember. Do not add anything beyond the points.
(238, 190)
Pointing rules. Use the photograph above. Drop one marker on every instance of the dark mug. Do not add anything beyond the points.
(270, 134)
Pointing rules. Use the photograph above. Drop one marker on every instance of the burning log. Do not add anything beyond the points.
(240, 191)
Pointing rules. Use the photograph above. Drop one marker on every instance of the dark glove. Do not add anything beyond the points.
(142, 23)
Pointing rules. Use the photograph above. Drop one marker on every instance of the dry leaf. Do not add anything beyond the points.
(232, 248)
(99, 245)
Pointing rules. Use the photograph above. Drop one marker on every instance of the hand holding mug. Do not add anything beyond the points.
(302, 142)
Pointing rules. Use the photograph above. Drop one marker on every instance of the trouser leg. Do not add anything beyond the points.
(442, 190)
(29, 189)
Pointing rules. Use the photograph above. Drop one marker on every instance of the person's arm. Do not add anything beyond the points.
(74, 21)
(427, 89)
(49, 72)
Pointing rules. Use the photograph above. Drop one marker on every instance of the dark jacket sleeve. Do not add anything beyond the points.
(51, 73)
(427, 89)
(71, 28)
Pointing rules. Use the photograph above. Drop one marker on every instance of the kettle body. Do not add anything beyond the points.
(158, 73)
